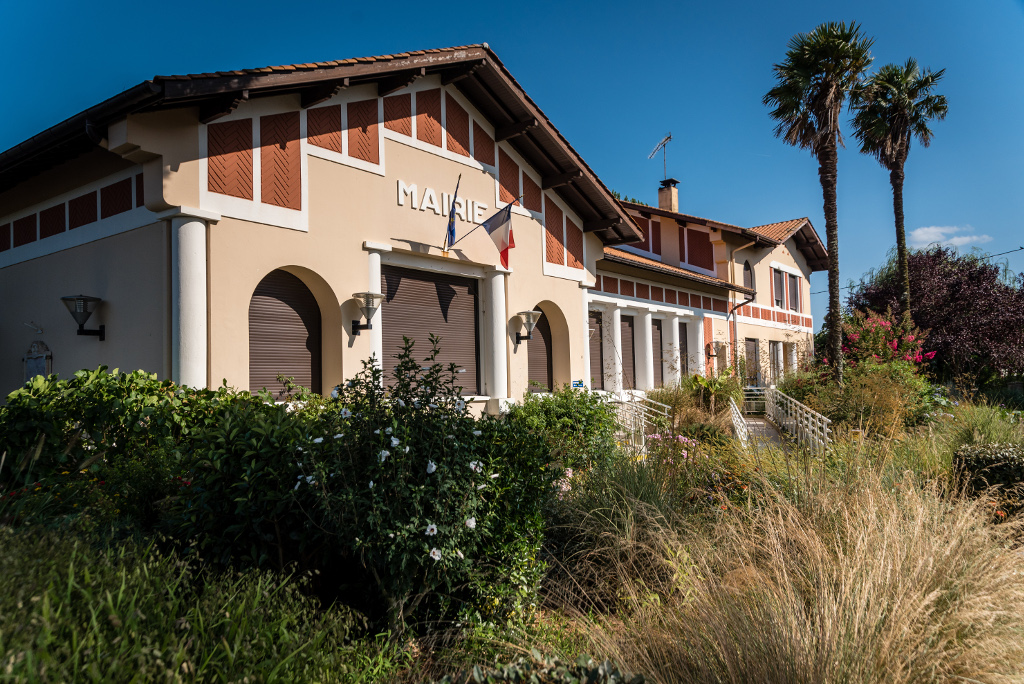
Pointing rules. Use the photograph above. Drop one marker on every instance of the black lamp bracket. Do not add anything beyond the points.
(100, 332)
(357, 326)
(520, 337)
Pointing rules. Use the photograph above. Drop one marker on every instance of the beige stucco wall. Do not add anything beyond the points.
(349, 206)
(128, 271)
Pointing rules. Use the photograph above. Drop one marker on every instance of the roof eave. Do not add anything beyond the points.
(676, 274)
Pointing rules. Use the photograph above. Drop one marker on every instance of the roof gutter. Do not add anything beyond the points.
(675, 274)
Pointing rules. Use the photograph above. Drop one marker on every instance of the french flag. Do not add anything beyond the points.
(499, 227)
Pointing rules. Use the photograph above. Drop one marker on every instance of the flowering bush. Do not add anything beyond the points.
(880, 338)
(578, 425)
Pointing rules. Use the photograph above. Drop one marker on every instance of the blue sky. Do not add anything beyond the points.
(614, 78)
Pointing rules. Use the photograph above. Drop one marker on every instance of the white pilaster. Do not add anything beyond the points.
(791, 353)
(496, 325)
(373, 252)
(645, 353)
(696, 329)
(586, 337)
(673, 358)
(616, 378)
(188, 302)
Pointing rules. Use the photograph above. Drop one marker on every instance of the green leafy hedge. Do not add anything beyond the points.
(577, 425)
(549, 671)
(989, 465)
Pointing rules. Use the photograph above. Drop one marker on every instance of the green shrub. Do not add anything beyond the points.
(549, 671)
(578, 425)
(70, 612)
(982, 466)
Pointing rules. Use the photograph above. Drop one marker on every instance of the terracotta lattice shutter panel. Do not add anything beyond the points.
(82, 210)
(398, 114)
(323, 127)
(116, 198)
(508, 177)
(643, 291)
(281, 160)
(456, 126)
(5, 237)
(682, 244)
(229, 167)
(25, 230)
(483, 145)
(656, 237)
(555, 252)
(626, 288)
(610, 285)
(645, 229)
(574, 243)
(51, 221)
(701, 253)
(363, 141)
(532, 198)
(428, 116)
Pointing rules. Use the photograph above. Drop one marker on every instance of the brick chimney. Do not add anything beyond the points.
(668, 195)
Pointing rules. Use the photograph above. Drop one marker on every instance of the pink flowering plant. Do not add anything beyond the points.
(880, 338)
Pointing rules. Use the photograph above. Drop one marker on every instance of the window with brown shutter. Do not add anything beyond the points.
(748, 275)
(420, 303)
(284, 335)
(684, 353)
(779, 288)
(699, 250)
(628, 355)
(596, 351)
(538, 355)
(656, 352)
(794, 293)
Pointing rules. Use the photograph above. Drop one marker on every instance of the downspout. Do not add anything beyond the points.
(732, 312)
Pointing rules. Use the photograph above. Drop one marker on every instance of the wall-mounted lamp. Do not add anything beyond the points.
(530, 319)
(710, 350)
(369, 302)
(81, 307)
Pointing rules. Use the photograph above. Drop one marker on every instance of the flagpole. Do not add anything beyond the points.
(477, 225)
(451, 217)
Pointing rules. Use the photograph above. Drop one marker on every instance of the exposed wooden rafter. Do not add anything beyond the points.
(323, 93)
(600, 224)
(514, 129)
(560, 179)
(455, 75)
(403, 79)
(221, 106)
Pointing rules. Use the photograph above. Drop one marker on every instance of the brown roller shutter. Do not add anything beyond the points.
(656, 352)
(596, 352)
(284, 335)
(684, 353)
(752, 361)
(418, 303)
(539, 357)
(628, 357)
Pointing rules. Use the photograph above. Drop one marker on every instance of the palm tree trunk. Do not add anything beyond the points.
(896, 180)
(827, 174)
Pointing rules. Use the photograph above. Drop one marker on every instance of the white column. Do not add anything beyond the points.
(791, 353)
(645, 353)
(616, 379)
(697, 348)
(586, 338)
(377, 329)
(496, 324)
(188, 302)
(673, 358)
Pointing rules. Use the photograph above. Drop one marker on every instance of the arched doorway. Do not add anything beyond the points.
(539, 357)
(284, 335)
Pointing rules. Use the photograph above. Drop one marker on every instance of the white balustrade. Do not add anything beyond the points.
(806, 426)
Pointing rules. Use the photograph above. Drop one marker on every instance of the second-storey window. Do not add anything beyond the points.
(794, 293)
(779, 288)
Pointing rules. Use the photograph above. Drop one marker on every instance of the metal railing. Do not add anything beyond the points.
(739, 423)
(636, 416)
(753, 399)
(807, 427)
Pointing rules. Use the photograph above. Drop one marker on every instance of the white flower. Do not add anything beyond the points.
(450, 437)
(568, 472)
(477, 433)
(432, 405)
(435, 554)
(334, 393)
(298, 448)
(371, 484)
(476, 466)
(431, 467)
(481, 486)
(377, 431)
(298, 483)
(339, 435)
(459, 554)
(406, 449)
(471, 523)
(400, 402)
(345, 413)
(384, 455)
(388, 431)
(494, 476)
(394, 441)
(391, 535)
(416, 403)
(318, 440)
(309, 479)
(460, 404)
(431, 530)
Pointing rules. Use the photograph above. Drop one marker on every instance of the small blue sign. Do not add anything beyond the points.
(577, 384)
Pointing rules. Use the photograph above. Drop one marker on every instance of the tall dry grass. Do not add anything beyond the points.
(866, 581)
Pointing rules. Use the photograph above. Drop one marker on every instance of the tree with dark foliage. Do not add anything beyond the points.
(973, 310)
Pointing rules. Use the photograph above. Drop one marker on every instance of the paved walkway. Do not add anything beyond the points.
(762, 432)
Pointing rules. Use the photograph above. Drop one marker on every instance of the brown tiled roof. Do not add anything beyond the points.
(630, 259)
(780, 231)
(476, 70)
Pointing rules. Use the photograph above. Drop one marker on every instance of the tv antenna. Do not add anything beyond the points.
(663, 148)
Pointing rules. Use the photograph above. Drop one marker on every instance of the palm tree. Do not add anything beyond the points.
(813, 82)
(894, 106)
